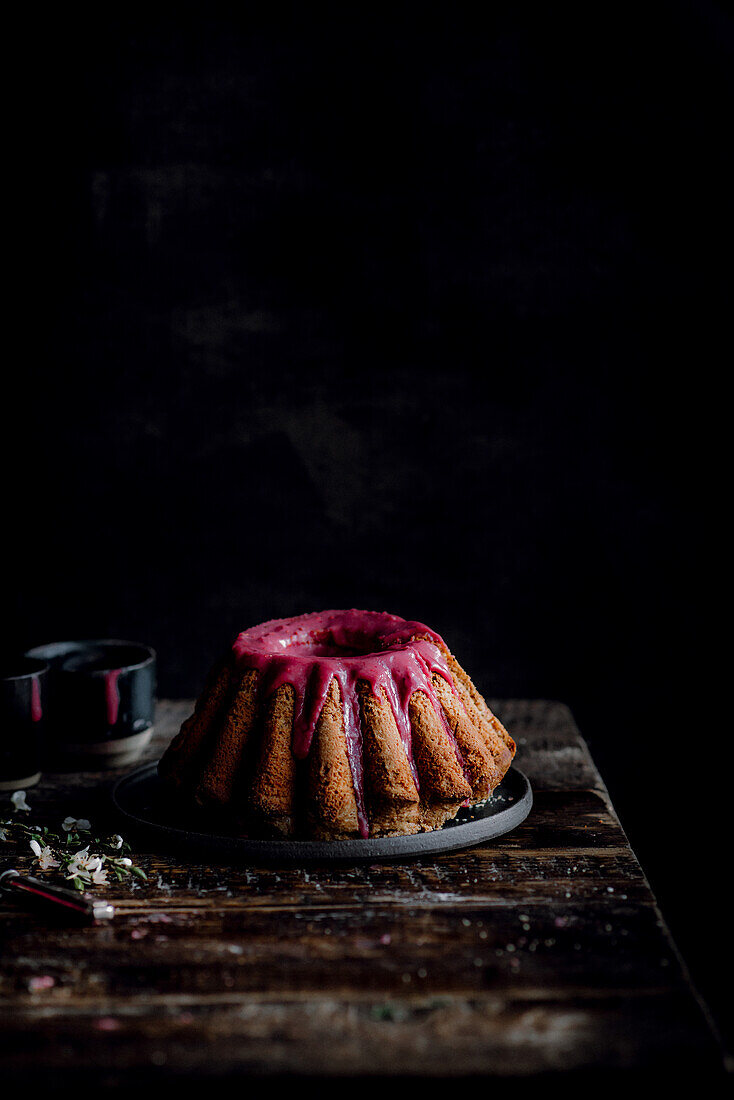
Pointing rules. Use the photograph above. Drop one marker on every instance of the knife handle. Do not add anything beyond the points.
(52, 900)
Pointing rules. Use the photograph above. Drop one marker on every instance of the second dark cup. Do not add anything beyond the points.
(101, 699)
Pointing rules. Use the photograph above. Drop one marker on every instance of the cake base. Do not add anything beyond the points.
(141, 798)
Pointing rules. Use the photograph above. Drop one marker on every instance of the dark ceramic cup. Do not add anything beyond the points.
(101, 699)
(23, 704)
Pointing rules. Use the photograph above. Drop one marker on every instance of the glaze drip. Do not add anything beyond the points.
(36, 708)
(112, 695)
(382, 650)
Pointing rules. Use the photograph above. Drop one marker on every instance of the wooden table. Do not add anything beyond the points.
(541, 952)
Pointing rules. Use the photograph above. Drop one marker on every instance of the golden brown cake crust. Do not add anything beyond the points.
(272, 796)
(237, 719)
(393, 800)
(180, 758)
(331, 796)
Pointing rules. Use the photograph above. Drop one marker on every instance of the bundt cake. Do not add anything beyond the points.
(334, 725)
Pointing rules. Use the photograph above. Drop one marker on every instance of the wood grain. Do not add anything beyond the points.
(542, 952)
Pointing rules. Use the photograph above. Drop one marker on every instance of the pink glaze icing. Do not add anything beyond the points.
(381, 649)
(112, 695)
(36, 708)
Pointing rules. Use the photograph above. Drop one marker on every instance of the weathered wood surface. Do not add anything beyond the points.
(543, 951)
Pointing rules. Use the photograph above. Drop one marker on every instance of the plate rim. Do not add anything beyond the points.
(450, 837)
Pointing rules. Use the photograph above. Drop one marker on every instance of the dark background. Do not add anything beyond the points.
(320, 308)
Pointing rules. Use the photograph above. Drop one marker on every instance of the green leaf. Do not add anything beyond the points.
(139, 872)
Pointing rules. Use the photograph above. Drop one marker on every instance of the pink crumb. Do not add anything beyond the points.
(43, 981)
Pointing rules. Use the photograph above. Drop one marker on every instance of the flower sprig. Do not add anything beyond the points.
(90, 865)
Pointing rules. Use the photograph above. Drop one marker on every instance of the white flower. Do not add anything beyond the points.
(99, 877)
(19, 802)
(84, 867)
(77, 824)
(3, 835)
(46, 860)
(44, 856)
(124, 862)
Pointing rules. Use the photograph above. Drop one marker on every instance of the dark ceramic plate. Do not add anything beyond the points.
(140, 798)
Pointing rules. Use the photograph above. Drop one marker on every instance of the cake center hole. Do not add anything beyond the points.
(332, 643)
